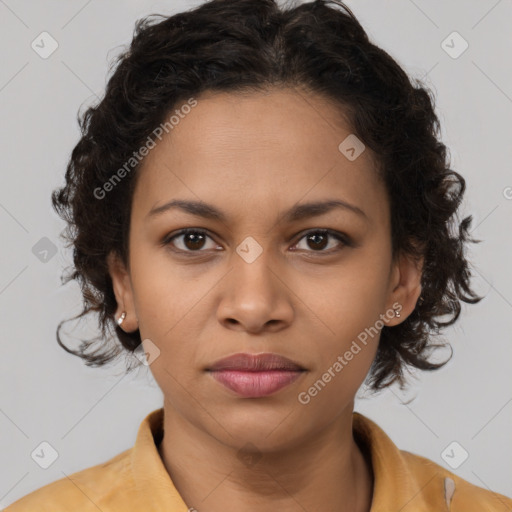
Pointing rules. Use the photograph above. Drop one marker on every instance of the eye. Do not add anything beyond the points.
(318, 240)
(192, 240)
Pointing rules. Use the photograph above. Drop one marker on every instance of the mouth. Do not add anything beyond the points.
(254, 376)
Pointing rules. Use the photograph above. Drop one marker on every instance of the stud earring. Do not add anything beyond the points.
(397, 313)
(121, 318)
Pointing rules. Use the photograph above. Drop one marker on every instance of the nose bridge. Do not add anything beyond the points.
(254, 294)
(254, 266)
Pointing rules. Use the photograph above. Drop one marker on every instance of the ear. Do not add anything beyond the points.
(123, 291)
(405, 287)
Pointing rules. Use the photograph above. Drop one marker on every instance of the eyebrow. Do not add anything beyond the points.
(296, 213)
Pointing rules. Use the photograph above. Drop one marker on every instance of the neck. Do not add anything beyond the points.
(327, 471)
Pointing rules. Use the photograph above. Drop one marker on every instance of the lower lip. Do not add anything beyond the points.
(255, 384)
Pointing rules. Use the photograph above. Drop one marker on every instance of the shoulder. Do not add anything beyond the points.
(405, 480)
(459, 494)
(91, 489)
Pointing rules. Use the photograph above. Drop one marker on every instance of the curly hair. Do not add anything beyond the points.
(244, 46)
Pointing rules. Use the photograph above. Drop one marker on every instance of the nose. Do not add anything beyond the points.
(256, 297)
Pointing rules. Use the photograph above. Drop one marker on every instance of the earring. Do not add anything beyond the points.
(121, 318)
(397, 313)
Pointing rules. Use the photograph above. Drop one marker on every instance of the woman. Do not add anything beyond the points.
(262, 200)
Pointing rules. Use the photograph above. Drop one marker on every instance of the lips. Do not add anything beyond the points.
(256, 363)
(255, 376)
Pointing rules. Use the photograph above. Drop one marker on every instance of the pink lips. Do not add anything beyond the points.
(253, 376)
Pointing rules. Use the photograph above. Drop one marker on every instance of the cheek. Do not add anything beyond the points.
(343, 365)
(331, 388)
(161, 293)
(349, 353)
(173, 304)
(351, 310)
(349, 302)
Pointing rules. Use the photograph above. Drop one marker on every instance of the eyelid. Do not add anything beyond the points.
(170, 237)
(338, 235)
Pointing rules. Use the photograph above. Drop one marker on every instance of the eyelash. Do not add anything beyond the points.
(344, 239)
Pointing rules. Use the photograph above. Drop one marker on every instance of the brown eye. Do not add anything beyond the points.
(193, 241)
(318, 240)
(189, 240)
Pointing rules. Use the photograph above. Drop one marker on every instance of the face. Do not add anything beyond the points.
(261, 273)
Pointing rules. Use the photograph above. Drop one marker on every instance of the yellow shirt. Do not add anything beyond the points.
(136, 480)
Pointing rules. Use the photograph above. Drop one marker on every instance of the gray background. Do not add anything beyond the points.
(90, 415)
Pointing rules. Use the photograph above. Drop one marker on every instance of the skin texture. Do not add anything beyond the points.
(254, 156)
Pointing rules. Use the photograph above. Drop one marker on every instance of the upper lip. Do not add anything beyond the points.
(255, 363)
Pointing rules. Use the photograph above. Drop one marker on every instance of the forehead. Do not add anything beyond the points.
(258, 150)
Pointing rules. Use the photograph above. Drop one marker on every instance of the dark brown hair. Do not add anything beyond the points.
(243, 46)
